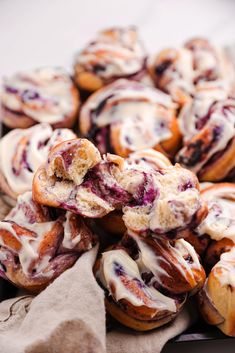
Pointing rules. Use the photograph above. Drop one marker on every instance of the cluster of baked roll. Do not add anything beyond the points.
(114, 154)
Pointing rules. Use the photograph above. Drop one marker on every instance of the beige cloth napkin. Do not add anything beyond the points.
(69, 317)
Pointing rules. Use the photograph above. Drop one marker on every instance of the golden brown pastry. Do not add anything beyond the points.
(147, 281)
(22, 151)
(178, 71)
(37, 243)
(127, 116)
(114, 53)
(145, 160)
(207, 124)
(161, 203)
(43, 95)
(216, 299)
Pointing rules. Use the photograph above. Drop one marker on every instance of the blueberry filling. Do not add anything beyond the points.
(112, 192)
(25, 162)
(189, 259)
(186, 186)
(146, 192)
(147, 277)
(100, 107)
(118, 269)
(12, 90)
(68, 156)
(228, 109)
(196, 150)
(131, 247)
(128, 140)
(215, 157)
(28, 95)
(42, 144)
(201, 122)
(159, 69)
(98, 68)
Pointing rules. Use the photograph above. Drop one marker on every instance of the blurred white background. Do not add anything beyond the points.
(49, 32)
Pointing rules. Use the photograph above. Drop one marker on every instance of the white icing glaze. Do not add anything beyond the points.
(155, 298)
(29, 245)
(28, 149)
(224, 270)
(43, 94)
(68, 241)
(220, 119)
(220, 221)
(143, 113)
(189, 68)
(28, 252)
(180, 73)
(118, 54)
(184, 249)
(192, 111)
(173, 208)
(147, 160)
(149, 260)
(174, 200)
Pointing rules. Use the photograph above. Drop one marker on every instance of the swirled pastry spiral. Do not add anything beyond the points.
(43, 95)
(38, 244)
(22, 151)
(178, 71)
(147, 281)
(114, 53)
(127, 116)
(207, 124)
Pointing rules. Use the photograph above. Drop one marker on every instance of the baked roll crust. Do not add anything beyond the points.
(38, 243)
(178, 71)
(114, 53)
(127, 116)
(76, 178)
(145, 160)
(217, 297)
(207, 125)
(43, 95)
(146, 282)
(22, 151)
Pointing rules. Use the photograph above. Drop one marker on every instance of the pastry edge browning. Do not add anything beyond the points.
(139, 325)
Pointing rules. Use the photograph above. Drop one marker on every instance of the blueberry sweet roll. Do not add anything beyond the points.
(216, 299)
(127, 116)
(38, 243)
(22, 151)
(207, 125)
(114, 53)
(43, 95)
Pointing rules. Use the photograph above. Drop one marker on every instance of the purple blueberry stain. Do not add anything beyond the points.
(161, 68)
(29, 95)
(185, 186)
(10, 89)
(118, 269)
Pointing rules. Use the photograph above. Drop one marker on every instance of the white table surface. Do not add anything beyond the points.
(49, 32)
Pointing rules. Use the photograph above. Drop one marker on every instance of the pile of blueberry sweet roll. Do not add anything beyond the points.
(132, 153)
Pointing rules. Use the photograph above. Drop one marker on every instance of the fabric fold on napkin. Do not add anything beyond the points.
(68, 316)
(124, 341)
